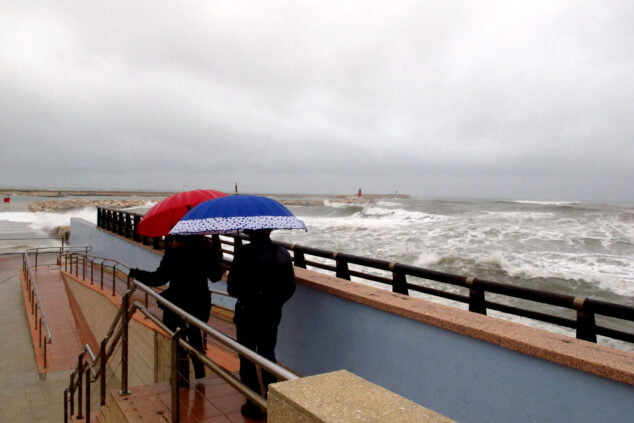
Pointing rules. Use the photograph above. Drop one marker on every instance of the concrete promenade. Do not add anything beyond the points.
(25, 396)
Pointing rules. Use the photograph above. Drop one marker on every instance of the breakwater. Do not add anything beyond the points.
(60, 205)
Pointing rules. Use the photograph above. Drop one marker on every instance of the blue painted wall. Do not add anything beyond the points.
(463, 378)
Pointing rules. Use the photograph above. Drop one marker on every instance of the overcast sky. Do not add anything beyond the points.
(495, 99)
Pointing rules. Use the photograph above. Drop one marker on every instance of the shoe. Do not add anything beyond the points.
(253, 412)
(199, 370)
(183, 383)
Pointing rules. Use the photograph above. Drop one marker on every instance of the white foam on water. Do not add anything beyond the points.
(427, 259)
(145, 206)
(337, 205)
(547, 203)
(47, 221)
(384, 203)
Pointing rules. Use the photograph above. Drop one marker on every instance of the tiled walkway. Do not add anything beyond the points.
(209, 400)
(25, 396)
(65, 345)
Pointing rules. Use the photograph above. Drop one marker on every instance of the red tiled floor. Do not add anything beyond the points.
(207, 400)
(229, 403)
(65, 342)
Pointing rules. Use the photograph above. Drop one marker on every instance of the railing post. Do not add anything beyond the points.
(103, 360)
(128, 225)
(114, 279)
(121, 223)
(399, 281)
(174, 380)
(477, 303)
(237, 243)
(45, 353)
(342, 267)
(299, 258)
(87, 394)
(136, 235)
(80, 377)
(586, 325)
(66, 405)
(71, 397)
(116, 217)
(125, 303)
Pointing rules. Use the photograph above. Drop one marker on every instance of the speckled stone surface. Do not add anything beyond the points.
(597, 359)
(342, 397)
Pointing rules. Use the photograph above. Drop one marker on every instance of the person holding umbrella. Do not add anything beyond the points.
(189, 261)
(262, 279)
(261, 275)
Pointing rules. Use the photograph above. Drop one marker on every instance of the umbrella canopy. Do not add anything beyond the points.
(234, 213)
(163, 216)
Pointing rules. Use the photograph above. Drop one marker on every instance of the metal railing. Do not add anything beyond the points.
(29, 270)
(91, 368)
(403, 278)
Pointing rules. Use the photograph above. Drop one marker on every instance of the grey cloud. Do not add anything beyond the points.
(453, 98)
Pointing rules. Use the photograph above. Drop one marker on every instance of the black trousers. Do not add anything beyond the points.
(258, 332)
(193, 336)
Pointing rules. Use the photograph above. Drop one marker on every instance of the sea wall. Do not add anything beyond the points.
(466, 366)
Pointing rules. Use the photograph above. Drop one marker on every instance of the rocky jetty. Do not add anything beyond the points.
(60, 205)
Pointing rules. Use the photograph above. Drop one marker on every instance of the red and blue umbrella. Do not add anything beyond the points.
(165, 214)
(236, 213)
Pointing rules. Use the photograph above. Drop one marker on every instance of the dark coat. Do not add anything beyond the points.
(262, 279)
(186, 268)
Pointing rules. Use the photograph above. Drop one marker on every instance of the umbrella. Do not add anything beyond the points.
(159, 219)
(234, 213)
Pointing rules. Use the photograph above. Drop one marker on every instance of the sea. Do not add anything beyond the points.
(576, 248)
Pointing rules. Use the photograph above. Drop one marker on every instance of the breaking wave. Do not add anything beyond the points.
(45, 222)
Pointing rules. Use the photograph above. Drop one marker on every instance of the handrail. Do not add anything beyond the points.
(36, 306)
(91, 368)
(222, 373)
(219, 336)
(117, 265)
(397, 275)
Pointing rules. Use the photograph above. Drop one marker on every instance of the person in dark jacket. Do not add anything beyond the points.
(262, 279)
(189, 261)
